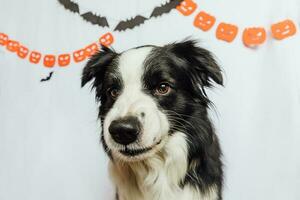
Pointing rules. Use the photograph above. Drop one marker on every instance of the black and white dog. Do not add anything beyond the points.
(155, 124)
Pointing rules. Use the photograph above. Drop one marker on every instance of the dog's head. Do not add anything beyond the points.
(146, 93)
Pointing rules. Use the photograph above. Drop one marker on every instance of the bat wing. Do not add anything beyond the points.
(131, 23)
(95, 19)
(69, 5)
(166, 8)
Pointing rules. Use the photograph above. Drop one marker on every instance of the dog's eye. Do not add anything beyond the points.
(163, 89)
(113, 92)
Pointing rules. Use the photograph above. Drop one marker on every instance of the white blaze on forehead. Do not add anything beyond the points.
(131, 65)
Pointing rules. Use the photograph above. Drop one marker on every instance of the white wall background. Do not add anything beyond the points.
(49, 134)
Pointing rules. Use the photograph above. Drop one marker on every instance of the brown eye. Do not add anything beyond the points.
(113, 92)
(163, 89)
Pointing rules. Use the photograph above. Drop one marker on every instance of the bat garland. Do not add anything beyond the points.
(123, 24)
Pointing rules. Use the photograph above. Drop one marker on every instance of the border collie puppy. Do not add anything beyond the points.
(155, 124)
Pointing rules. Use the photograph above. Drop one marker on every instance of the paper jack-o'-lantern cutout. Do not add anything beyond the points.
(49, 60)
(186, 7)
(64, 60)
(106, 39)
(283, 29)
(12, 46)
(91, 49)
(22, 52)
(35, 57)
(254, 36)
(204, 21)
(226, 32)
(3, 39)
(79, 55)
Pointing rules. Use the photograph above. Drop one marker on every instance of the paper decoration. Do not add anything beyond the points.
(106, 39)
(47, 78)
(23, 51)
(166, 8)
(254, 36)
(95, 19)
(12, 46)
(131, 23)
(64, 60)
(35, 57)
(204, 21)
(3, 39)
(49, 60)
(283, 29)
(226, 32)
(187, 7)
(122, 25)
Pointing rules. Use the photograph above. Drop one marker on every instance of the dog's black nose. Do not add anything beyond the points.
(125, 130)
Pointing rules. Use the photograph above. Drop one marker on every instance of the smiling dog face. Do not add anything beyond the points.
(144, 90)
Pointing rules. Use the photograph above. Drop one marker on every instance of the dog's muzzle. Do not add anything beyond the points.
(125, 130)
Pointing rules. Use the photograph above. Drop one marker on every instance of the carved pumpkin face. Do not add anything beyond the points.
(64, 60)
(49, 60)
(79, 55)
(23, 51)
(91, 49)
(12, 46)
(106, 39)
(186, 7)
(35, 57)
(254, 36)
(3, 39)
(283, 29)
(226, 32)
(204, 21)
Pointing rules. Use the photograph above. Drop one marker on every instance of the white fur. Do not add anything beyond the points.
(158, 177)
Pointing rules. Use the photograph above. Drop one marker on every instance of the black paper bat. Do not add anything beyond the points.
(47, 78)
(95, 19)
(131, 23)
(158, 11)
(70, 5)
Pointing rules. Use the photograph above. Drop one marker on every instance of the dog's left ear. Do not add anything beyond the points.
(200, 62)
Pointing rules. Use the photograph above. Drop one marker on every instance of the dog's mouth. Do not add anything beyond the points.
(136, 152)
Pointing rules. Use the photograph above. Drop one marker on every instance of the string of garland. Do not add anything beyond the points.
(251, 37)
(122, 25)
(50, 60)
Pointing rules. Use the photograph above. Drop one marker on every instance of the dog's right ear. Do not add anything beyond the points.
(97, 65)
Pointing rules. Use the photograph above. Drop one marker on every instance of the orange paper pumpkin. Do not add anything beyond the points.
(254, 36)
(35, 57)
(12, 46)
(91, 49)
(64, 60)
(106, 39)
(226, 32)
(49, 60)
(22, 51)
(283, 29)
(204, 21)
(186, 7)
(79, 55)
(3, 39)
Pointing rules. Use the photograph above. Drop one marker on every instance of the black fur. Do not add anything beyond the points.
(189, 70)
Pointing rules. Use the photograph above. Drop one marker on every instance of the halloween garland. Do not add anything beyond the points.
(122, 25)
(251, 36)
(50, 60)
